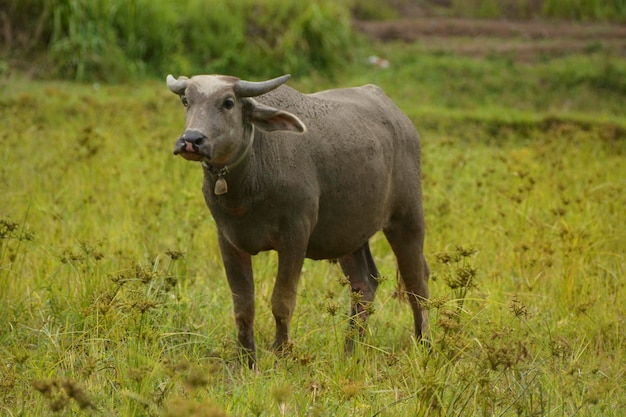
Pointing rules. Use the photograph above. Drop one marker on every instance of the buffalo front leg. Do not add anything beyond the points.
(238, 266)
(361, 271)
(285, 291)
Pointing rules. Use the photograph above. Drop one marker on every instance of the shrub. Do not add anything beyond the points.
(252, 38)
(115, 40)
(585, 9)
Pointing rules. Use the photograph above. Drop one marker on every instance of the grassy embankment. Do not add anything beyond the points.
(113, 297)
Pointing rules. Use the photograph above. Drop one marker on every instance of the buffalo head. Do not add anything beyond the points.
(221, 114)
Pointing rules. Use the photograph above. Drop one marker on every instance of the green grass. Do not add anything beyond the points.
(114, 301)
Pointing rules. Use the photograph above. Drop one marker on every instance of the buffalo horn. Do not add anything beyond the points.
(253, 89)
(177, 86)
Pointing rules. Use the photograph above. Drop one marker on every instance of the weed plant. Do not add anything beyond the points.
(114, 300)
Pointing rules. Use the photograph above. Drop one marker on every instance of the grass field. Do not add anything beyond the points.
(114, 302)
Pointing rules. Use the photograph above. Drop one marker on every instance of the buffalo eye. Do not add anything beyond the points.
(184, 101)
(229, 103)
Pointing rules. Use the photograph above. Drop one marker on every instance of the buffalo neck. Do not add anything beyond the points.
(221, 175)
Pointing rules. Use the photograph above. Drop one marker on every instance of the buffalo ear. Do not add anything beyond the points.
(270, 119)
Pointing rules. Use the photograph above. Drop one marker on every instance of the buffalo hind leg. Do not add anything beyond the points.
(285, 292)
(361, 271)
(407, 244)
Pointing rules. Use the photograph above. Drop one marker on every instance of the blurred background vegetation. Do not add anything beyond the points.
(112, 294)
(122, 40)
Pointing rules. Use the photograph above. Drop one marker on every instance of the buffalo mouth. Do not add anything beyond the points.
(189, 150)
(190, 156)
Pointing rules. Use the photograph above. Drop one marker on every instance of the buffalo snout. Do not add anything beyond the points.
(189, 142)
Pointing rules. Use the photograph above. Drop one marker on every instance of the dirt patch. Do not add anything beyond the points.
(525, 40)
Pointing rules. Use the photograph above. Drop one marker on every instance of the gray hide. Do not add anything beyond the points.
(316, 177)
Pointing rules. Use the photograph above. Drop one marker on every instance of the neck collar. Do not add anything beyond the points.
(221, 186)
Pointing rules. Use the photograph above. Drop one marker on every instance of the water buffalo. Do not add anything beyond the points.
(309, 176)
